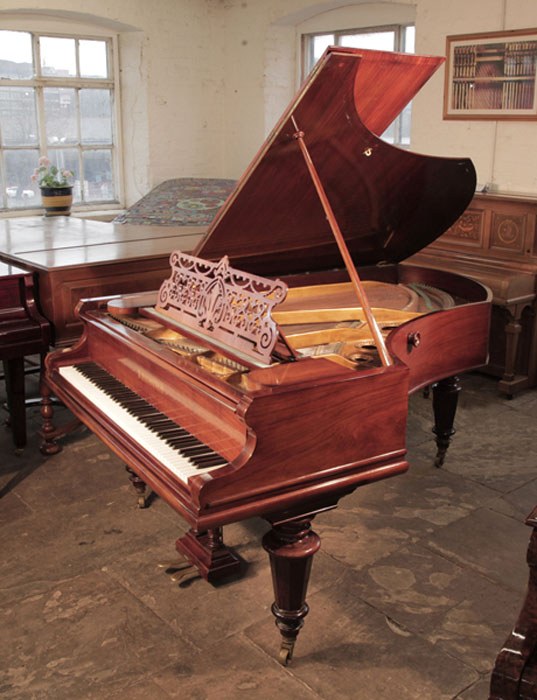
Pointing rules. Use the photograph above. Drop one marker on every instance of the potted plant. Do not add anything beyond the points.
(56, 192)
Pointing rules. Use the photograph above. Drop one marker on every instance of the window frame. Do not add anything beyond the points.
(399, 30)
(39, 82)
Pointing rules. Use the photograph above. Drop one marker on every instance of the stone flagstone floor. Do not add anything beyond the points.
(417, 584)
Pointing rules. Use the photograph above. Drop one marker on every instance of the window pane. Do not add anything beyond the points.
(93, 59)
(67, 158)
(381, 41)
(389, 134)
(60, 116)
(16, 55)
(406, 117)
(320, 44)
(95, 116)
(20, 190)
(98, 182)
(57, 56)
(18, 116)
(410, 39)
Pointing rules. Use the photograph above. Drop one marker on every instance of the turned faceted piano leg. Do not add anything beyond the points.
(291, 546)
(139, 486)
(48, 432)
(445, 398)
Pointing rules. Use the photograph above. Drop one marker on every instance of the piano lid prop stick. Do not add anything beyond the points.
(349, 264)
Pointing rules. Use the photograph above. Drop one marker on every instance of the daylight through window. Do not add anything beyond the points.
(56, 99)
(390, 38)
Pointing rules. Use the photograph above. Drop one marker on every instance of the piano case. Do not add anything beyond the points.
(270, 376)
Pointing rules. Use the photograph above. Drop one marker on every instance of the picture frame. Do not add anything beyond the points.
(491, 75)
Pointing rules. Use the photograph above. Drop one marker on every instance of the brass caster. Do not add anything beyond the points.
(141, 502)
(286, 652)
(440, 456)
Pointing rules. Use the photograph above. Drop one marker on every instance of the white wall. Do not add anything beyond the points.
(171, 82)
(203, 81)
(504, 153)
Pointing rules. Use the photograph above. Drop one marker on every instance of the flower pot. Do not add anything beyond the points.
(57, 200)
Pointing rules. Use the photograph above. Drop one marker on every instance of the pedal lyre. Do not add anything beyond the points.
(181, 569)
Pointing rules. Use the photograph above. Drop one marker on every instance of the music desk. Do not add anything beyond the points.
(80, 258)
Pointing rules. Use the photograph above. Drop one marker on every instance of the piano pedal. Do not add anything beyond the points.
(180, 570)
(175, 565)
(185, 575)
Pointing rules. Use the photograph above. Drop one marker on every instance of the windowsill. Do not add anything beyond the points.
(103, 213)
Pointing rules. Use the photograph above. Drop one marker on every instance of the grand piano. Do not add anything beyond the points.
(269, 375)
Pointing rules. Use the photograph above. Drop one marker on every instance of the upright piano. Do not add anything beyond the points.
(269, 375)
(23, 331)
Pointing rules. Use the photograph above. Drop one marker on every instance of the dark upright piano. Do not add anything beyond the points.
(270, 374)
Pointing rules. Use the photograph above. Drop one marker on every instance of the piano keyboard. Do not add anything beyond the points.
(179, 451)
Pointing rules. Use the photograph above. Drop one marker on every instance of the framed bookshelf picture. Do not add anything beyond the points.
(491, 76)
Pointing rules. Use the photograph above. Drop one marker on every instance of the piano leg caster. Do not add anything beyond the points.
(291, 546)
(440, 457)
(445, 398)
(286, 651)
(139, 485)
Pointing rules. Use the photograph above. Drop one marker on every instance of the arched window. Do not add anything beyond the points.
(57, 99)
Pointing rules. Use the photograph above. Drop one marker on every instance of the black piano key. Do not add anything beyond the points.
(173, 434)
(196, 450)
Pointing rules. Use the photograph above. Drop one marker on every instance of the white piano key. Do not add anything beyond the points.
(171, 458)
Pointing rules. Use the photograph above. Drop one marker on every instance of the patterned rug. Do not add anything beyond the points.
(187, 201)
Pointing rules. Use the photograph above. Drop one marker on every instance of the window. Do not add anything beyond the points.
(56, 99)
(389, 38)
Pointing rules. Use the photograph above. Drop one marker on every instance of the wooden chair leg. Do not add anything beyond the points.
(14, 376)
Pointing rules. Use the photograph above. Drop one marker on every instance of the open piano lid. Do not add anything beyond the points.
(389, 203)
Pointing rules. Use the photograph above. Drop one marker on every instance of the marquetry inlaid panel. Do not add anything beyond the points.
(468, 229)
(496, 239)
(508, 231)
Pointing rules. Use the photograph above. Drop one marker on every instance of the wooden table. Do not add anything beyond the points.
(80, 258)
